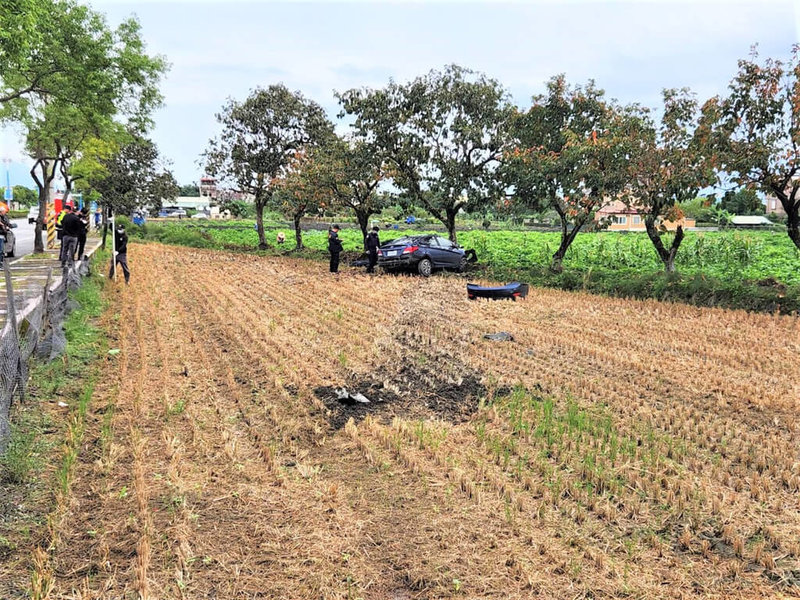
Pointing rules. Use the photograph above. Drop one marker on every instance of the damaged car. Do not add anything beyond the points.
(423, 254)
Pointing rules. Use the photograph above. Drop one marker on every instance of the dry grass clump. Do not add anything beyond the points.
(614, 449)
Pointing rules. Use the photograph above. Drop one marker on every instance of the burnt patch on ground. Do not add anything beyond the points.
(452, 401)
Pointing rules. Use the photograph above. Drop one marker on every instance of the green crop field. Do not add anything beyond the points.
(726, 255)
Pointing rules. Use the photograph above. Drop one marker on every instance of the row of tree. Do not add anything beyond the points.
(452, 140)
(83, 92)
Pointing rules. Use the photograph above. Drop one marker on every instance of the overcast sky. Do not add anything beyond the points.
(632, 49)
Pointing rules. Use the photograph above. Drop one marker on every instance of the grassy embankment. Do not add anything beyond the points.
(36, 471)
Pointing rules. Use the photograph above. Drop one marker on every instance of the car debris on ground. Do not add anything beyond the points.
(342, 395)
(501, 336)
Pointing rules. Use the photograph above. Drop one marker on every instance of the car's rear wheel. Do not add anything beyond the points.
(425, 267)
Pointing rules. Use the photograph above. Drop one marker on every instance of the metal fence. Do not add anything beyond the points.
(34, 325)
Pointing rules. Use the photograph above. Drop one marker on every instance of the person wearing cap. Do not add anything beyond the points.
(372, 243)
(121, 253)
(334, 247)
(72, 225)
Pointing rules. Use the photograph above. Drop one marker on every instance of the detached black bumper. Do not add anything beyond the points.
(510, 291)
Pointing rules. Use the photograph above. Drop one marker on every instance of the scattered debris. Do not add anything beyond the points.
(342, 395)
(502, 336)
(62, 404)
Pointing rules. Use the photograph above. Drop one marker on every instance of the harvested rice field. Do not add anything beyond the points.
(612, 449)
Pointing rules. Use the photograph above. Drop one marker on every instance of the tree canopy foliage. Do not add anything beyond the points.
(755, 131)
(70, 80)
(667, 166)
(570, 152)
(442, 135)
(260, 138)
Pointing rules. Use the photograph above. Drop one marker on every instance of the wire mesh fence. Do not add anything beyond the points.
(34, 326)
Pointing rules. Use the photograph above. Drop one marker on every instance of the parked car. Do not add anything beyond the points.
(166, 213)
(33, 214)
(200, 215)
(422, 253)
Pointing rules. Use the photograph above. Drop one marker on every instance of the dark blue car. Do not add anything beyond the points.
(422, 253)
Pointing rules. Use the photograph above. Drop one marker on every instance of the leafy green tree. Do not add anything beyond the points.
(23, 63)
(190, 189)
(571, 152)
(350, 171)
(754, 131)
(298, 192)
(742, 202)
(260, 137)
(132, 178)
(239, 209)
(22, 195)
(85, 81)
(442, 135)
(667, 167)
(700, 208)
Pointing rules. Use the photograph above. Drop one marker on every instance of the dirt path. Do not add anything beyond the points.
(664, 463)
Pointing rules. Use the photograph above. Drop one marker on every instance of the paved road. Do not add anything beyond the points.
(24, 233)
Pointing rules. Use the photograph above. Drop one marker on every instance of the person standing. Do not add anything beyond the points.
(334, 247)
(60, 229)
(373, 243)
(121, 254)
(72, 225)
(84, 218)
(5, 227)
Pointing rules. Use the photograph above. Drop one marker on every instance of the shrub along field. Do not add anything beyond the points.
(753, 270)
(614, 449)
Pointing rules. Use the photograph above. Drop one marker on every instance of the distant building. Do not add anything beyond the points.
(208, 187)
(774, 207)
(194, 202)
(751, 221)
(621, 217)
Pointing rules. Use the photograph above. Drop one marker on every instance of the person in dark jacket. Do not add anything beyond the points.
(373, 243)
(121, 253)
(334, 247)
(67, 208)
(84, 217)
(5, 227)
(72, 225)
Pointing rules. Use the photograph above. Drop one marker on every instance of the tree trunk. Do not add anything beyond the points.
(791, 204)
(298, 234)
(262, 241)
(793, 222)
(450, 223)
(667, 256)
(43, 184)
(567, 237)
(363, 223)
